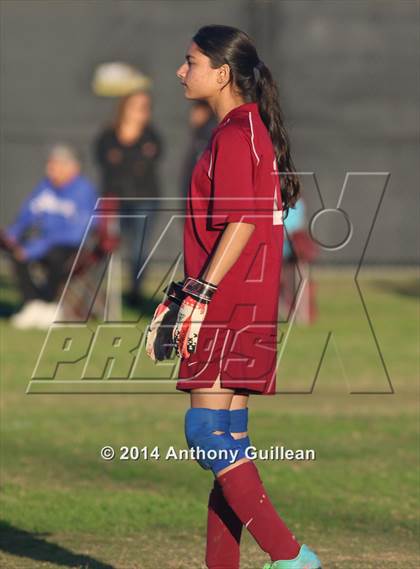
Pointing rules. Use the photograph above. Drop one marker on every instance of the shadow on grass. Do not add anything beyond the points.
(9, 304)
(7, 309)
(409, 288)
(32, 546)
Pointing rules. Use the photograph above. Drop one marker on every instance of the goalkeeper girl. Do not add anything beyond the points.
(222, 318)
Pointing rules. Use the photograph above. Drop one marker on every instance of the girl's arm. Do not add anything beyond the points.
(231, 244)
(192, 311)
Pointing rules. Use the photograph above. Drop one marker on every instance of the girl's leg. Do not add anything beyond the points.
(239, 418)
(243, 490)
(246, 496)
(215, 397)
(224, 528)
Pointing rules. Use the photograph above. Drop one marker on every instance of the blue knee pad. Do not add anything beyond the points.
(239, 424)
(213, 452)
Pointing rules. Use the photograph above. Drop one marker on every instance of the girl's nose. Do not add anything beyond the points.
(181, 71)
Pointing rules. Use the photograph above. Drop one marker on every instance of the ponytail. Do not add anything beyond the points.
(253, 79)
(269, 108)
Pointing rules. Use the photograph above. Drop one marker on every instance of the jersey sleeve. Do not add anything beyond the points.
(232, 173)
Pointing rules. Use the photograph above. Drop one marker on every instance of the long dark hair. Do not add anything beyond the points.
(231, 46)
(122, 105)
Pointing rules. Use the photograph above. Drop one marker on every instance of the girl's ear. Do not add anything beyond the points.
(223, 74)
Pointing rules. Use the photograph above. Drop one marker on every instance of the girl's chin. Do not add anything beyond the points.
(190, 95)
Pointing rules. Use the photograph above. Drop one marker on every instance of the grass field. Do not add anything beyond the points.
(356, 504)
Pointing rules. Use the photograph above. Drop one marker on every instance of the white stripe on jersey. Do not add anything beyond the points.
(252, 137)
(209, 170)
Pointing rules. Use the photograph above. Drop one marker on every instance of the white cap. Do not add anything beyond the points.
(118, 79)
(63, 152)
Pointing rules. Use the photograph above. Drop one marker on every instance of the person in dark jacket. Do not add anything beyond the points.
(128, 154)
(202, 122)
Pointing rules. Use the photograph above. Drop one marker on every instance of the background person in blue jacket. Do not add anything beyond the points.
(297, 289)
(49, 229)
(295, 221)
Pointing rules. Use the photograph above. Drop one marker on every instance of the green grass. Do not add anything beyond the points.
(357, 504)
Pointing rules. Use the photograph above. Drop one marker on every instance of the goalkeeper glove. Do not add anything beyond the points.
(159, 343)
(191, 314)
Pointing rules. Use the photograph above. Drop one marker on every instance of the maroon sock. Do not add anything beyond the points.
(246, 495)
(224, 530)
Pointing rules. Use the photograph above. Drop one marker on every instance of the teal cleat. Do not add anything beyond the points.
(305, 560)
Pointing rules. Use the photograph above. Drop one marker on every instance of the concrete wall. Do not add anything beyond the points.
(347, 73)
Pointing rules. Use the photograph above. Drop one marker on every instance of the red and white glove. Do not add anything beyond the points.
(193, 310)
(159, 343)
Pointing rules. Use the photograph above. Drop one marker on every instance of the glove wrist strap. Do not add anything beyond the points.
(174, 292)
(199, 289)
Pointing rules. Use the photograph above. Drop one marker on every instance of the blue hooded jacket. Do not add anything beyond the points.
(294, 221)
(59, 216)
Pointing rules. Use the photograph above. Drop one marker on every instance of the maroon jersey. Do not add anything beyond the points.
(235, 180)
